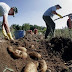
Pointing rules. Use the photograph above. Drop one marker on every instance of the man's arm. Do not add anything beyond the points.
(54, 12)
(5, 23)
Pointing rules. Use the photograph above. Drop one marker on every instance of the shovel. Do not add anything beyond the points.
(63, 16)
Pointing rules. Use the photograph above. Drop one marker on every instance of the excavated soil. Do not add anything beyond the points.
(57, 53)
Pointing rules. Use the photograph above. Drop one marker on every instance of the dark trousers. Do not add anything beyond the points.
(50, 25)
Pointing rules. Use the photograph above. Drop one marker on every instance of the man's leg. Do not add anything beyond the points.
(47, 31)
(52, 25)
(47, 21)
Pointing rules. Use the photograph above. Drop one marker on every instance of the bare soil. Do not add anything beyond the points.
(57, 53)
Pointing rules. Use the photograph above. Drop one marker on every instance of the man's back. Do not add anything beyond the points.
(4, 9)
(48, 12)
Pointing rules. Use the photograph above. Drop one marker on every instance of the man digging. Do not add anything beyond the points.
(49, 22)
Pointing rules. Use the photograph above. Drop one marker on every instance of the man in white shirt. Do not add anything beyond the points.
(47, 18)
(5, 10)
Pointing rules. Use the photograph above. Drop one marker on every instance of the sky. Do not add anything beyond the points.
(31, 11)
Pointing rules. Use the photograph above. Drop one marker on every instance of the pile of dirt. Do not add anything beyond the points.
(56, 52)
(63, 46)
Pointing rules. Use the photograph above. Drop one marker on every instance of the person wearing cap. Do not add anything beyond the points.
(5, 10)
(47, 17)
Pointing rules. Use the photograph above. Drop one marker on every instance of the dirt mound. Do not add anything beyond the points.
(62, 46)
(55, 52)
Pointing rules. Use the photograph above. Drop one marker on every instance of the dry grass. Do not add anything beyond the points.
(67, 33)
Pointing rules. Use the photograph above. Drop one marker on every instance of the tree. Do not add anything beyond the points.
(26, 26)
(16, 27)
(32, 27)
(13, 26)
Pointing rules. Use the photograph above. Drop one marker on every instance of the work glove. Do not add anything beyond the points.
(5, 35)
(59, 15)
(10, 36)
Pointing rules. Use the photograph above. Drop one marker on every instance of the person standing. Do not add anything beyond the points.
(5, 10)
(47, 17)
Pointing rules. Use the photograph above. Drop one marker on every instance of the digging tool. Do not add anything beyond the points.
(63, 16)
(69, 22)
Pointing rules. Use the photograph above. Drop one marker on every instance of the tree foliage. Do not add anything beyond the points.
(16, 27)
(27, 26)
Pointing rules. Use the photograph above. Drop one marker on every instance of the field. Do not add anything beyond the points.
(57, 52)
